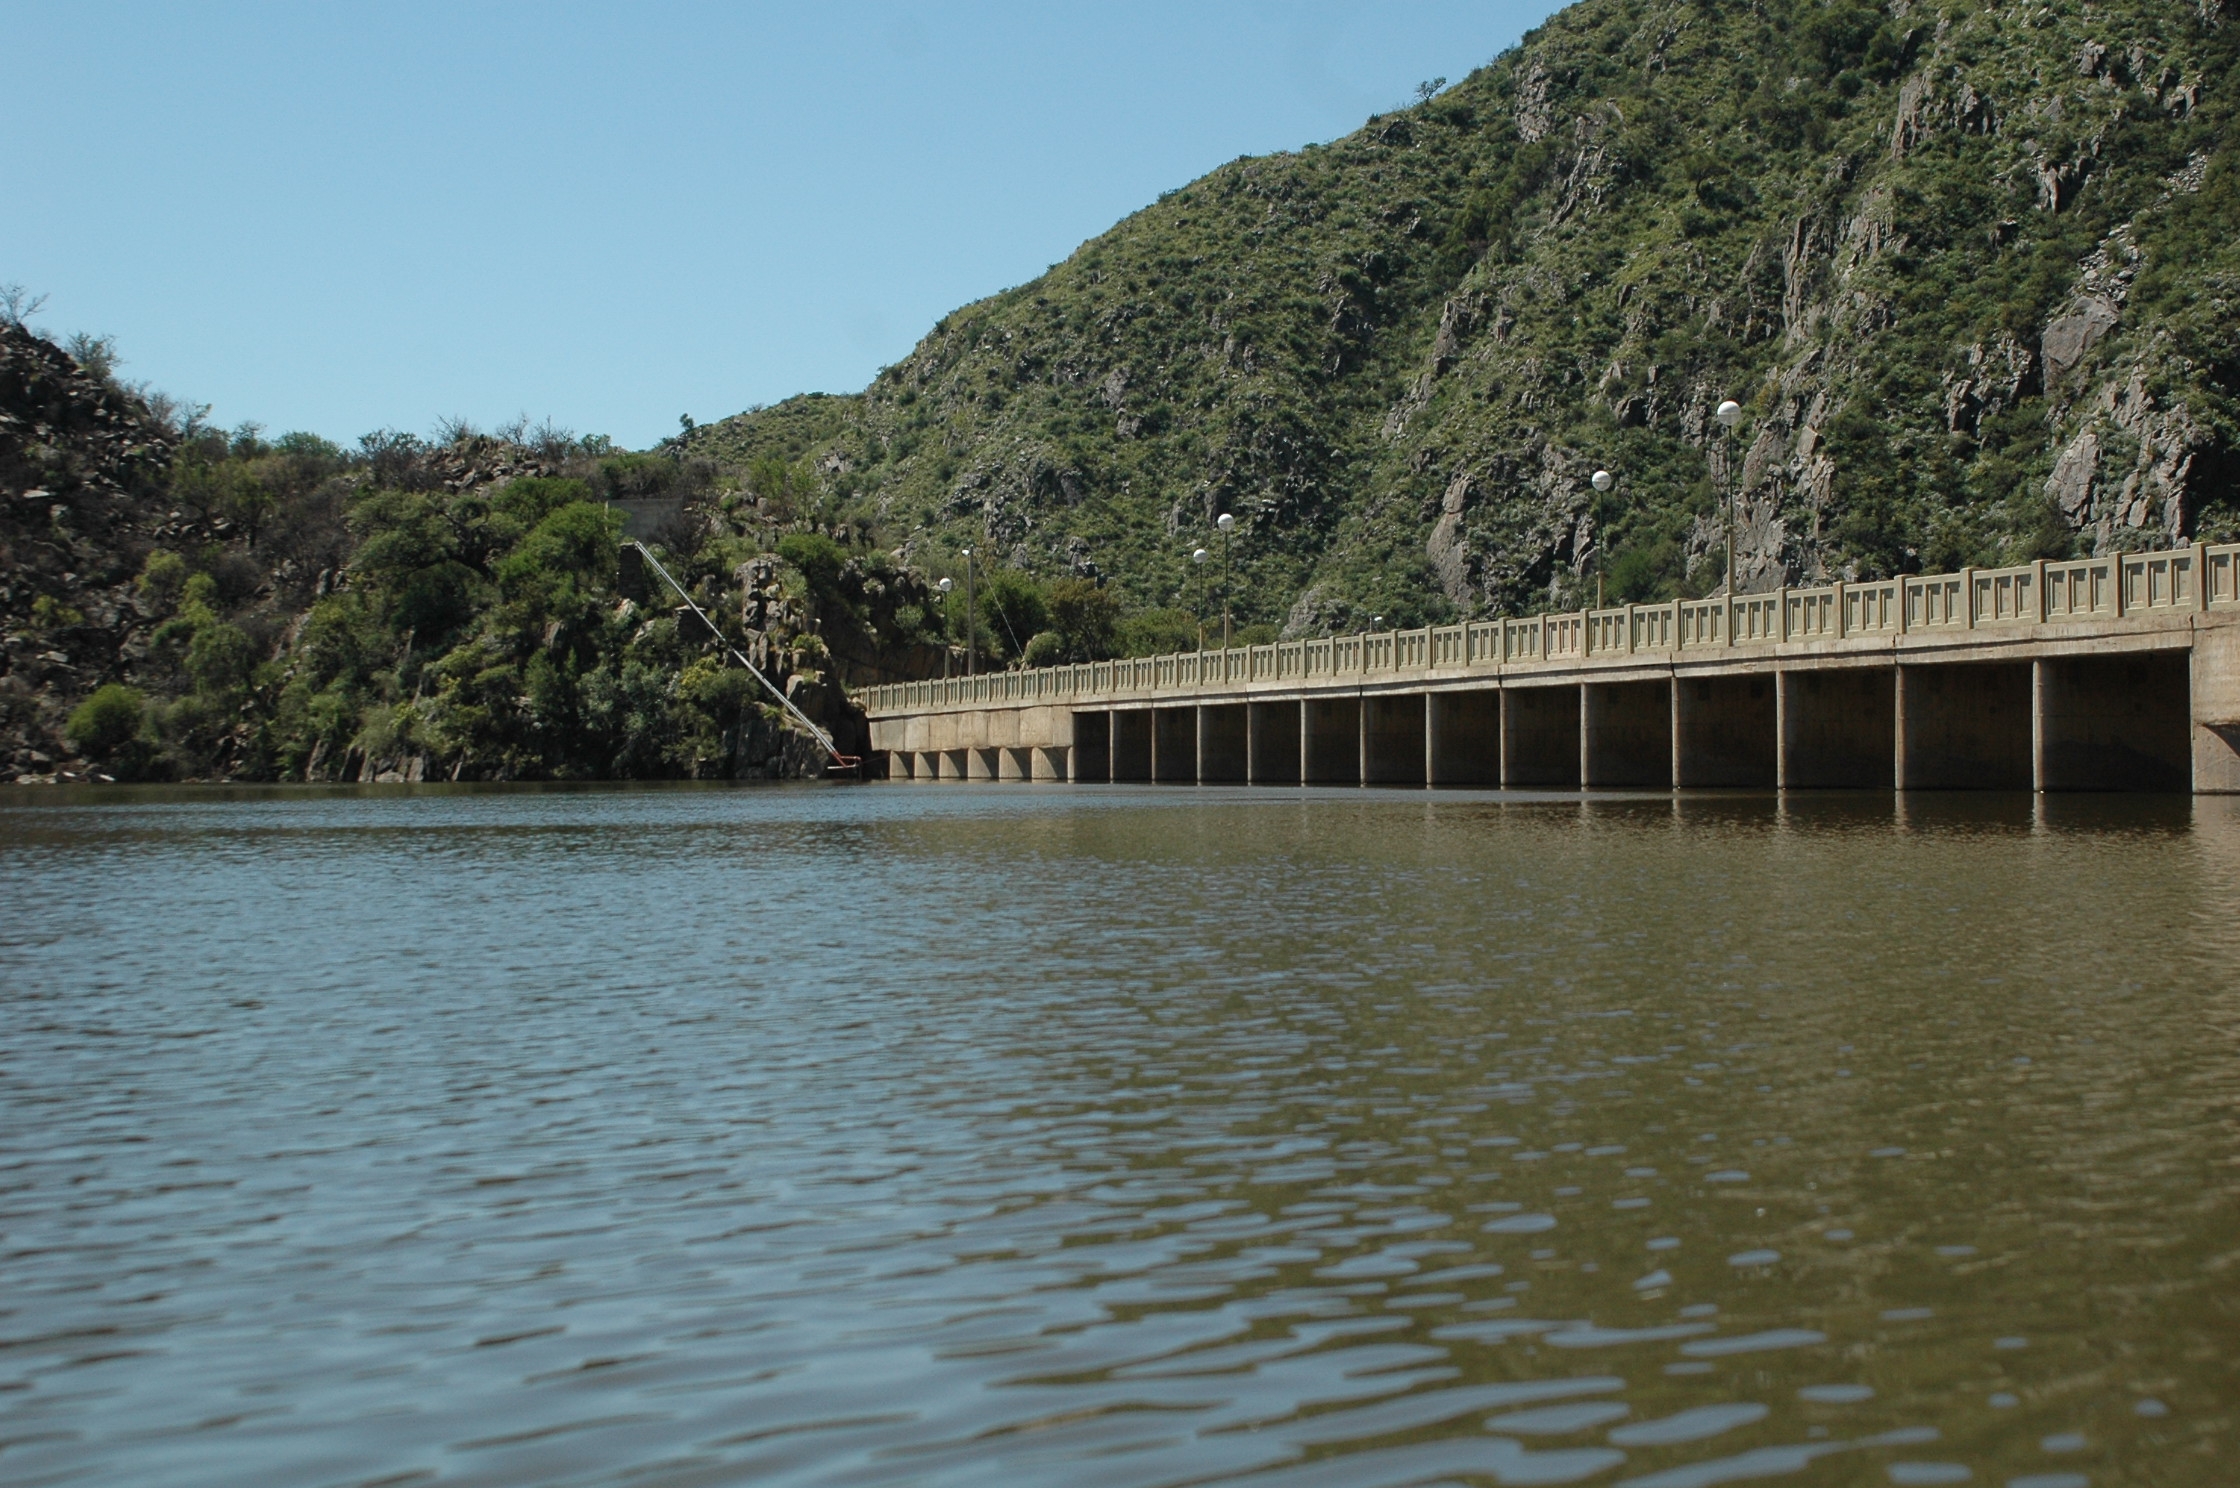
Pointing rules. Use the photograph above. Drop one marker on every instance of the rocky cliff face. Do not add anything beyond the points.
(1967, 266)
(82, 468)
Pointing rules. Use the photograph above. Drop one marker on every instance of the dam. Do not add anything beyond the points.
(2119, 672)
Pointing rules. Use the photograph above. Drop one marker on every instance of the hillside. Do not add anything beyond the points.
(183, 602)
(1968, 267)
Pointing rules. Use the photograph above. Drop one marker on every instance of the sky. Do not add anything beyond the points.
(341, 218)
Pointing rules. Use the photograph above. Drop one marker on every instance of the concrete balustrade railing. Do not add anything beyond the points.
(2201, 577)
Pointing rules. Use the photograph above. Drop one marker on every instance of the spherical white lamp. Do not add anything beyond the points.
(1729, 413)
(1602, 480)
(947, 585)
(1225, 522)
(1199, 556)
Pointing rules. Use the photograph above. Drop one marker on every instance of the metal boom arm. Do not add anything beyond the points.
(823, 738)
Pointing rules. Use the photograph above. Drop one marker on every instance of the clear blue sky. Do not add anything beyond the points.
(343, 217)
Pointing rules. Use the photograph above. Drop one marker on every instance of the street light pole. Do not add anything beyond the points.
(1729, 414)
(948, 586)
(1226, 523)
(971, 618)
(1602, 481)
(1199, 558)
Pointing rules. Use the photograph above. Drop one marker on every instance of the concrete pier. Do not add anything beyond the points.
(2116, 673)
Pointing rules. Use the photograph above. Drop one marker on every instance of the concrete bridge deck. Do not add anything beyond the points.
(2114, 673)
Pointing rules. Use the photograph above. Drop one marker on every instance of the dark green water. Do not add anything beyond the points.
(1117, 1137)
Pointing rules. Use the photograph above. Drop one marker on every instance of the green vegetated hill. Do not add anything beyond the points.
(1969, 267)
(183, 602)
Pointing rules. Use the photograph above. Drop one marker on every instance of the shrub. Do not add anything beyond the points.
(220, 657)
(161, 578)
(1158, 632)
(435, 601)
(818, 557)
(49, 613)
(106, 721)
(579, 543)
(198, 600)
(532, 498)
(1047, 648)
(627, 477)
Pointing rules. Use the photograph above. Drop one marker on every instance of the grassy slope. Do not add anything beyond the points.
(1398, 356)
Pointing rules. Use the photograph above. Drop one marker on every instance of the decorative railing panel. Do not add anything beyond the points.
(2085, 586)
(1703, 622)
(1936, 601)
(1873, 608)
(1523, 640)
(2220, 577)
(2007, 596)
(1564, 635)
(2166, 579)
(1811, 614)
(1757, 617)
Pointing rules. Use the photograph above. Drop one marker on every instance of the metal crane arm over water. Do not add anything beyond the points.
(844, 761)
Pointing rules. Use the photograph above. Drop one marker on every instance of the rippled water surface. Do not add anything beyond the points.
(1108, 1137)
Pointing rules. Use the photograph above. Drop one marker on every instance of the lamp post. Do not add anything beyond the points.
(1199, 558)
(971, 618)
(1729, 413)
(947, 585)
(1227, 524)
(1602, 481)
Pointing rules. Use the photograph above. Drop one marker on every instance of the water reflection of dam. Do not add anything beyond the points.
(2114, 673)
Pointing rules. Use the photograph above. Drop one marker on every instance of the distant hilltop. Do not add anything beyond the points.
(1969, 268)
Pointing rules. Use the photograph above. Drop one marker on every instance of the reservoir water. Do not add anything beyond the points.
(1117, 1137)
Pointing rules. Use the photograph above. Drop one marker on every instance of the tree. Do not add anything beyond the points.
(1158, 633)
(1085, 617)
(18, 304)
(1012, 611)
(575, 548)
(106, 722)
